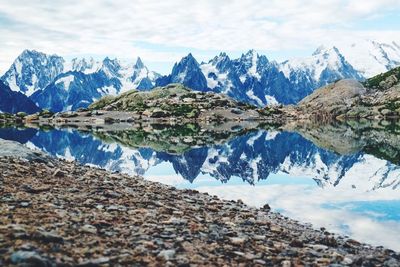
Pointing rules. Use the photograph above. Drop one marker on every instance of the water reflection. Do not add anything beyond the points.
(342, 177)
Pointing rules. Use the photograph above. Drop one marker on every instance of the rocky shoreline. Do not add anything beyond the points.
(58, 213)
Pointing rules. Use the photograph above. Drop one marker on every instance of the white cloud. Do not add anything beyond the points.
(107, 27)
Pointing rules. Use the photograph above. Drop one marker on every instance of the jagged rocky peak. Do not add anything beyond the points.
(111, 67)
(328, 53)
(32, 71)
(189, 61)
(139, 64)
(320, 50)
(142, 77)
(222, 62)
(187, 72)
(86, 65)
(250, 64)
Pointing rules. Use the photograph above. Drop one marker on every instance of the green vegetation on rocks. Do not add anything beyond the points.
(384, 81)
(177, 101)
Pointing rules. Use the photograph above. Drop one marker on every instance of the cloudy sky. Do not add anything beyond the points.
(161, 32)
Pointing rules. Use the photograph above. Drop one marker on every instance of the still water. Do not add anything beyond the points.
(343, 178)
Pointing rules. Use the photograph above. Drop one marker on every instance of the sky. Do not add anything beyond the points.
(161, 32)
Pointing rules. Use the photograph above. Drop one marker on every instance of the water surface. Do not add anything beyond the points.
(345, 178)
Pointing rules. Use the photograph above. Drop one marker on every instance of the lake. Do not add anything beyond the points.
(344, 177)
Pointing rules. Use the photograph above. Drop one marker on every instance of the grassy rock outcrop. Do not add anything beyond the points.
(177, 101)
(376, 98)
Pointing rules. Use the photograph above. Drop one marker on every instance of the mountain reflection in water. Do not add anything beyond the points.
(344, 177)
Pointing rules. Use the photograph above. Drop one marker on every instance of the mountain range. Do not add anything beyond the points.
(53, 83)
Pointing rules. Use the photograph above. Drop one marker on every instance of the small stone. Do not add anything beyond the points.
(167, 254)
(24, 204)
(296, 243)
(87, 228)
(94, 262)
(347, 261)
(266, 207)
(28, 258)
(58, 173)
(116, 208)
(237, 240)
(48, 237)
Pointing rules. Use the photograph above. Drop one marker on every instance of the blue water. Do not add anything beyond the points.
(354, 194)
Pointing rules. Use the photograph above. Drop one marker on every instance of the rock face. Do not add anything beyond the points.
(335, 98)
(377, 97)
(14, 102)
(186, 72)
(95, 218)
(177, 101)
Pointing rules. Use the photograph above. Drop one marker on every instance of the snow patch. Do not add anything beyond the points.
(107, 90)
(67, 80)
(221, 77)
(271, 101)
(32, 88)
(253, 70)
(254, 97)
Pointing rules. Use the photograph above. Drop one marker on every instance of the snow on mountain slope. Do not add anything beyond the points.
(324, 66)
(84, 65)
(371, 57)
(131, 76)
(32, 71)
(252, 78)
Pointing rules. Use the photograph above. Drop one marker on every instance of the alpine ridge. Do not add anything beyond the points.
(55, 84)
(254, 79)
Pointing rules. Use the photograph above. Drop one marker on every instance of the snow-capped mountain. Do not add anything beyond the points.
(251, 78)
(54, 84)
(88, 82)
(32, 71)
(187, 72)
(248, 79)
(131, 76)
(254, 79)
(370, 57)
(14, 102)
(325, 66)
